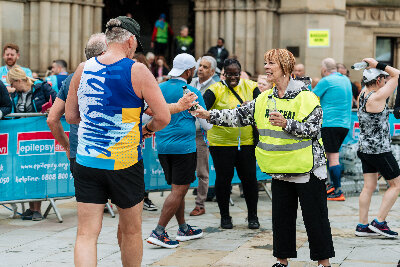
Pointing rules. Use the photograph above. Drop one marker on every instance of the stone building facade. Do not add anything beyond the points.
(49, 30)
(52, 29)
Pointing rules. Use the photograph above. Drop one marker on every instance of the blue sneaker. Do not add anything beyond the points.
(161, 240)
(382, 228)
(363, 230)
(189, 234)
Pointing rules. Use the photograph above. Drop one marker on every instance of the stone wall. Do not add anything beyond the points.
(49, 30)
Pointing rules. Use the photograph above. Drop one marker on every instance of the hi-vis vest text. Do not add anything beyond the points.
(277, 151)
(225, 99)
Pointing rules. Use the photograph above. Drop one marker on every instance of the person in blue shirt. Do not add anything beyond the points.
(334, 90)
(59, 70)
(10, 56)
(176, 145)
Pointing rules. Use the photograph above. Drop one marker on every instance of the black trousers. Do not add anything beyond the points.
(312, 197)
(226, 159)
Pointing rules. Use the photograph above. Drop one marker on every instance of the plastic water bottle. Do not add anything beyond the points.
(187, 91)
(360, 65)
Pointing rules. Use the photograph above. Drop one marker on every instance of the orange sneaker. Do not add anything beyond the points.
(329, 188)
(339, 196)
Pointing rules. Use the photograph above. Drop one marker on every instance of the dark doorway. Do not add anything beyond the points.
(145, 12)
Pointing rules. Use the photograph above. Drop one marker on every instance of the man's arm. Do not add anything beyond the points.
(146, 87)
(71, 106)
(54, 123)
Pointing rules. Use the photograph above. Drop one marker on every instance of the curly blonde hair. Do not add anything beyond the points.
(283, 57)
(16, 73)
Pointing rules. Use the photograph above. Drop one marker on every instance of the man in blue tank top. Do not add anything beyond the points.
(106, 99)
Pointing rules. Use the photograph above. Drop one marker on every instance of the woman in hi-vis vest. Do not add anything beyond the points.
(232, 148)
(288, 118)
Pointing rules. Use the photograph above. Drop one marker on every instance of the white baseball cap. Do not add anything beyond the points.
(181, 63)
(372, 74)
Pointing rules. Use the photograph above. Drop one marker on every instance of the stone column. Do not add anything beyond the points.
(98, 15)
(200, 28)
(229, 26)
(64, 32)
(54, 31)
(221, 23)
(87, 19)
(75, 36)
(34, 53)
(262, 28)
(44, 34)
(250, 36)
(207, 26)
(240, 32)
(214, 6)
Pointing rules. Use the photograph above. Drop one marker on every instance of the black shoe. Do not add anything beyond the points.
(27, 215)
(226, 222)
(278, 264)
(253, 223)
(194, 192)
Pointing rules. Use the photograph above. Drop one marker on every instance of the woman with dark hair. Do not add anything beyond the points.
(161, 69)
(288, 118)
(232, 148)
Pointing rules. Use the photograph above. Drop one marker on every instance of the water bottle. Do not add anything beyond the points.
(360, 65)
(187, 91)
(271, 103)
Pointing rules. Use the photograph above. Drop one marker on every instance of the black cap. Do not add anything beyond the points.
(133, 27)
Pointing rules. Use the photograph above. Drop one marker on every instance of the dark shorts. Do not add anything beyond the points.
(384, 163)
(72, 162)
(333, 137)
(124, 187)
(179, 169)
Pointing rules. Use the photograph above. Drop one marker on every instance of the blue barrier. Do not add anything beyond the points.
(34, 166)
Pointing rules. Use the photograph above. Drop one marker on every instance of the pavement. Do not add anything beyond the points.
(49, 243)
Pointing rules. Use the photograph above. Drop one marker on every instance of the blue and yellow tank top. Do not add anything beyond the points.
(109, 135)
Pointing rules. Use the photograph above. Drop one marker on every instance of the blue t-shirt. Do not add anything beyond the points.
(73, 129)
(56, 81)
(4, 71)
(179, 137)
(336, 97)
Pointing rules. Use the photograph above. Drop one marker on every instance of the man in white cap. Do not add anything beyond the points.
(374, 149)
(176, 145)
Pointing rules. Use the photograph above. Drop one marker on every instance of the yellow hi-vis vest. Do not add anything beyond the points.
(225, 99)
(277, 151)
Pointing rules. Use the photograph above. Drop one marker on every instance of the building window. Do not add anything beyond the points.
(384, 51)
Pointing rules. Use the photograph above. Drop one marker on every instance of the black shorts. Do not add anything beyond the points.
(179, 169)
(72, 162)
(384, 163)
(333, 137)
(124, 187)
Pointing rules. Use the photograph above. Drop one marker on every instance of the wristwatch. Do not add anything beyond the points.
(147, 128)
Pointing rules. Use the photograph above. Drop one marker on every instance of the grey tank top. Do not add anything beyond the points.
(374, 128)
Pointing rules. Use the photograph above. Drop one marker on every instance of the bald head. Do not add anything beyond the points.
(328, 66)
(299, 70)
(96, 45)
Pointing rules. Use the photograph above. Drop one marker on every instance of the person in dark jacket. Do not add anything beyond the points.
(28, 97)
(5, 101)
(219, 52)
(396, 108)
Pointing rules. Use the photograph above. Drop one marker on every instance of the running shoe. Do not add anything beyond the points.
(329, 188)
(382, 228)
(27, 215)
(161, 240)
(278, 264)
(149, 205)
(37, 216)
(363, 230)
(226, 222)
(253, 223)
(339, 196)
(189, 234)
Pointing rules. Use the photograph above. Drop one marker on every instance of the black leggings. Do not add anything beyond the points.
(225, 159)
(312, 198)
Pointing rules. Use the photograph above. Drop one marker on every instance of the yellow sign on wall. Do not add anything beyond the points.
(318, 38)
